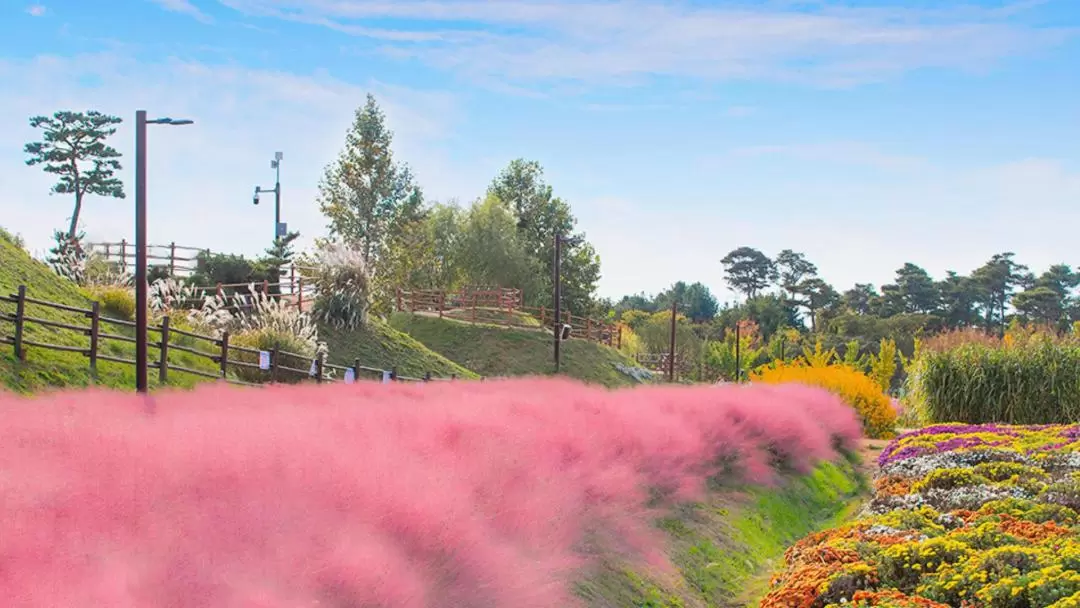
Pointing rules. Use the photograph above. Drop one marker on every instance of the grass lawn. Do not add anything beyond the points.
(45, 368)
(497, 351)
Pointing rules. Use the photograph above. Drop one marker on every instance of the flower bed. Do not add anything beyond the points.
(963, 516)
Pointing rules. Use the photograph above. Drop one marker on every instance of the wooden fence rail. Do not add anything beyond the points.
(180, 259)
(503, 306)
(228, 358)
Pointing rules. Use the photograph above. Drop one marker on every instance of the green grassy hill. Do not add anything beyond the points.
(380, 346)
(376, 345)
(45, 368)
(497, 351)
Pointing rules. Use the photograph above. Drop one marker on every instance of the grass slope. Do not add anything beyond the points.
(378, 345)
(498, 351)
(725, 548)
(49, 368)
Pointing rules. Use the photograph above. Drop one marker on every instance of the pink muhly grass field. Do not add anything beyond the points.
(399, 496)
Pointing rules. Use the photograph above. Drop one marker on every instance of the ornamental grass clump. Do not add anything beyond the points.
(1033, 379)
(854, 387)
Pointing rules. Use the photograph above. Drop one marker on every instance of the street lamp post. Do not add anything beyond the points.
(557, 304)
(279, 230)
(559, 332)
(142, 382)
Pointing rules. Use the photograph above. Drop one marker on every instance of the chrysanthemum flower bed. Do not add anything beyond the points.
(963, 516)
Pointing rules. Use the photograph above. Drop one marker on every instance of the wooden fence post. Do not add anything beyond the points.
(20, 315)
(543, 317)
(427, 376)
(299, 286)
(318, 369)
(273, 365)
(397, 291)
(588, 329)
(163, 360)
(356, 369)
(453, 377)
(474, 307)
(442, 302)
(172, 259)
(393, 373)
(95, 324)
(224, 354)
(220, 291)
(123, 255)
(619, 346)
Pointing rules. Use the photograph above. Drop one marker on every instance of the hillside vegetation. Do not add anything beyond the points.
(45, 368)
(380, 346)
(498, 351)
(376, 345)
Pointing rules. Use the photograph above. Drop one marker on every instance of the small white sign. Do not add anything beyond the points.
(386, 377)
(350, 375)
(264, 359)
(314, 371)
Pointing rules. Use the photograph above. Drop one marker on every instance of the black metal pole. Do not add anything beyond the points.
(671, 347)
(277, 201)
(557, 295)
(142, 381)
(738, 353)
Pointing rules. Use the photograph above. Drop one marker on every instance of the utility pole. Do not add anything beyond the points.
(557, 295)
(671, 347)
(279, 229)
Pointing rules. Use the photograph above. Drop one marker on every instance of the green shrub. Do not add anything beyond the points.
(116, 302)
(1034, 381)
(294, 352)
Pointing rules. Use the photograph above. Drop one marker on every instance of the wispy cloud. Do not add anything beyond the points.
(839, 152)
(36, 10)
(184, 7)
(598, 40)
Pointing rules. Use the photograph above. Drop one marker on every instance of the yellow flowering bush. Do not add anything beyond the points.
(851, 385)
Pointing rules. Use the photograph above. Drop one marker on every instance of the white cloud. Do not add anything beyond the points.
(184, 7)
(36, 10)
(602, 41)
(201, 177)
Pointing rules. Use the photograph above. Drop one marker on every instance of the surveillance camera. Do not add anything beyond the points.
(255, 199)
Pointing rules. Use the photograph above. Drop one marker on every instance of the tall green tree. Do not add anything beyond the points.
(913, 292)
(959, 298)
(73, 148)
(365, 194)
(998, 280)
(748, 271)
(539, 216)
(793, 268)
(491, 250)
(861, 299)
(695, 301)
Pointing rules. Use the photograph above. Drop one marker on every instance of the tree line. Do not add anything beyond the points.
(786, 291)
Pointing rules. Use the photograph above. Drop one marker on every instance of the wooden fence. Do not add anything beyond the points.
(503, 306)
(229, 359)
(294, 289)
(180, 260)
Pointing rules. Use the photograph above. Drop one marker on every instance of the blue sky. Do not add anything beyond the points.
(863, 133)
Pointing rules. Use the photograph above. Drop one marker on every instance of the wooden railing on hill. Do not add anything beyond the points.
(178, 258)
(503, 306)
(228, 358)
